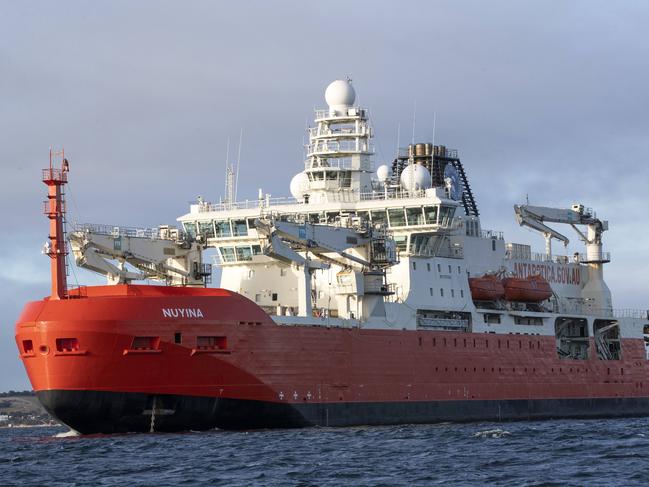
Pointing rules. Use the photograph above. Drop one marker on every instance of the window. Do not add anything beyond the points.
(244, 253)
(239, 228)
(145, 343)
(431, 290)
(431, 214)
(178, 337)
(378, 217)
(493, 244)
(428, 266)
(274, 296)
(449, 270)
(415, 216)
(256, 250)
(227, 254)
(446, 213)
(211, 343)
(439, 267)
(67, 344)
(459, 270)
(461, 293)
(206, 229)
(528, 320)
(257, 298)
(441, 292)
(332, 216)
(414, 266)
(493, 318)
(397, 217)
(452, 293)
(190, 228)
(28, 347)
(223, 228)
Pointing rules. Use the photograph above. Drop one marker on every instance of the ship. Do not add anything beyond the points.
(368, 297)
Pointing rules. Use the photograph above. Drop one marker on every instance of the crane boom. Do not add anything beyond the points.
(163, 254)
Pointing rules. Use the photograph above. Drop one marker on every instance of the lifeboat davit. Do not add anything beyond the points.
(486, 288)
(532, 289)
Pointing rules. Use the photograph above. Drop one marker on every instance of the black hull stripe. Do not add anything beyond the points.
(113, 412)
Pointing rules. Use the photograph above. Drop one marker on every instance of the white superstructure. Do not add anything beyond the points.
(424, 204)
(391, 249)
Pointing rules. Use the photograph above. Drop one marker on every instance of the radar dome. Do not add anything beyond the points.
(382, 173)
(340, 94)
(415, 177)
(299, 185)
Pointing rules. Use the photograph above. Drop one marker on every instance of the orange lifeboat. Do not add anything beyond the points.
(486, 288)
(532, 289)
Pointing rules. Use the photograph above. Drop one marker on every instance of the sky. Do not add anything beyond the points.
(544, 100)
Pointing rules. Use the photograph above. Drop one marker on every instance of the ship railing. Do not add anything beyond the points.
(442, 323)
(336, 132)
(577, 258)
(167, 233)
(337, 162)
(335, 146)
(325, 114)
(344, 197)
(247, 204)
(404, 153)
(393, 194)
(583, 307)
(495, 234)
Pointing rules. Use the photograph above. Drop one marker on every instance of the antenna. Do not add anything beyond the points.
(414, 120)
(236, 180)
(229, 176)
(434, 128)
(398, 139)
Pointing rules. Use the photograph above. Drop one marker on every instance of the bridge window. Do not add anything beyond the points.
(190, 228)
(378, 217)
(397, 217)
(223, 228)
(256, 250)
(239, 228)
(227, 254)
(244, 253)
(607, 339)
(446, 213)
(431, 214)
(206, 229)
(415, 216)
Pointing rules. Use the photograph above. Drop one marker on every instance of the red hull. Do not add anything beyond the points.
(253, 359)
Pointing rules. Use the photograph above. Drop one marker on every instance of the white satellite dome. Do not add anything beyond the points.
(299, 185)
(382, 173)
(415, 177)
(340, 94)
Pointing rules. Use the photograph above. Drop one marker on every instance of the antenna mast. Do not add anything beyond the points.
(236, 178)
(56, 247)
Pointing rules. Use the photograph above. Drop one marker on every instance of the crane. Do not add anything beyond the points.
(536, 217)
(362, 252)
(162, 254)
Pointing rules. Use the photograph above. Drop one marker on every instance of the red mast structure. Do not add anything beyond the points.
(54, 208)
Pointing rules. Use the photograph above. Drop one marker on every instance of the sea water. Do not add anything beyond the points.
(539, 453)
